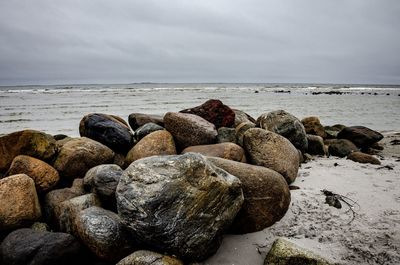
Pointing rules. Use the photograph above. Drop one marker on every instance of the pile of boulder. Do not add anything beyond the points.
(160, 189)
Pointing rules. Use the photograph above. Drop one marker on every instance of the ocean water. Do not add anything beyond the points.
(59, 109)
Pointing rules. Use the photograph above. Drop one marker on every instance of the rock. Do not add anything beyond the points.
(284, 252)
(53, 200)
(361, 136)
(226, 135)
(266, 195)
(58, 137)
(27, 246)
(44, 175)
(229, 151)
(155, 143)
(103, 233)
(61, 142)
(332, 131)
(19, 203)
(287, 125)
(103, 180)
(241, 117)
(178, 204)
(189, 129)
(270, 150)
(79, 155)
(145, 257)
(40, 227)
(241, 130)
(341, 147)
(363, 158)
(139, 119)
(316, 145)
(119, 160)
(146, 129)
(313, 126)
(70, 209)
(107, 130)
(214, 111)
(27, 142)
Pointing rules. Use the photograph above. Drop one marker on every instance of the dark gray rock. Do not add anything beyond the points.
(226, 134)
(27, 246)
(271, 150)
(103, 233)
(341, 147)
(361, 136)
(266, 195)
(241, 116)
(287, 125)
(316, 145)
(189, 129)
(178, 204)
(139, 119)
(103, 180)
(107, 130)
(146, 129)
(332, 131)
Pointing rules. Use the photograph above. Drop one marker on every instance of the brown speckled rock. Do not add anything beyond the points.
(189, 129)
(145, 257)
(229, 151)
(79, 155)
(28, 142)
(266, 195)
(340, 147)
(19, 204)
(156, 143)
(44, 175)
(313, 126)
(363, 158)
(273, 151)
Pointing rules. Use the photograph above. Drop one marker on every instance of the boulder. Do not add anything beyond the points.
(103, 180)
(287, 125)
(79, 155)
(341, 147)
(361, 136)
(155, 143)
(53, 200)
(40, 227)
(229, 151)
(178, 204)
(27, 246)
(145, 257)
(139, 119)
(189, 129)
(44, 175)
(28, 142)
(214, 111)
(146, 129)
(19, 203)
(316, 145)
(270, 150)
(70, 209)
(313, 126)
(226, 135)
(363, 158)
(107, 130)
(241, 116)
(266, 195)
(284, 252)
(103, 233)
(241, 130)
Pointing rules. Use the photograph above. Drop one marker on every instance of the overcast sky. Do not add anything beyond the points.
(103, 41)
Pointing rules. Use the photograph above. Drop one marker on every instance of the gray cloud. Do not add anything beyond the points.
(77, 41)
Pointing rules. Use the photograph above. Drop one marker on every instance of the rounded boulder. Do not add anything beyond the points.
(229, 151)
(271, 150)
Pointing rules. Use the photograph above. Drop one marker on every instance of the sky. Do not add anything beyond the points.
(126, 41)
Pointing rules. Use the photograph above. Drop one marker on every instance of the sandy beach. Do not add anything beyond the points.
(372, 237)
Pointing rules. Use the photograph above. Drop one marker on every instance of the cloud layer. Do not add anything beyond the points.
(83, 41)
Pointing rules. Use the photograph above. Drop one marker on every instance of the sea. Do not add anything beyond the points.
(58, 109)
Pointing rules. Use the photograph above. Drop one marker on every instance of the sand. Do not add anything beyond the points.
(372, 237)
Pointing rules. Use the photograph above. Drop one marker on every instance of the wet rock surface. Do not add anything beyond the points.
(361, 136)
